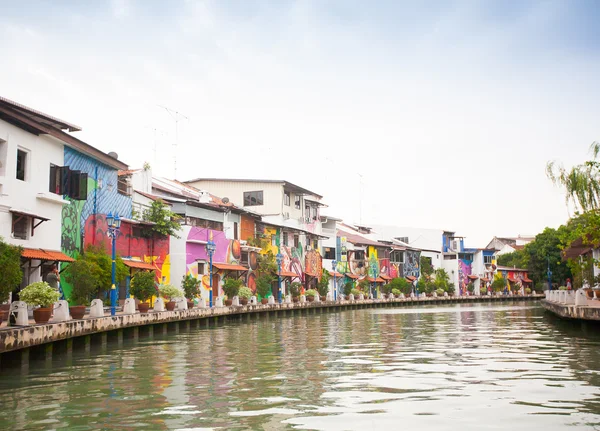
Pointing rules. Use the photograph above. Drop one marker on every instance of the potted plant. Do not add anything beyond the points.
(40, 294)
(263, 287)
(471, 288)
(528, 290)
(310, 294)
(11, 273)
(396, 293)
(295, 288)
(142, 288)
(244, 294)
(323, 285)
(356, 293)
(440, 292)
(348, 289)
(81, 274)
(387, 290)
(191, 288)
(169, 292)
(231, 287)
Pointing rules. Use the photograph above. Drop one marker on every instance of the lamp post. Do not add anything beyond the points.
(279, 259)
(114, 224)
(210, 250)
(549, 275)
(334, 267)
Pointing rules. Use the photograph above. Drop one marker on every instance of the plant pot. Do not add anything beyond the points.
(42, 315)
(170, 305)
(310, 298)
(77, 312)
(264, 301)
(143, 307)
(243, 301)
(190, 305)
(295, 299)
(590, 293)
(323, 298)
(228, 302)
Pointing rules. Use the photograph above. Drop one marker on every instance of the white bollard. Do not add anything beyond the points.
(97, 308)
(253, 300)
(235, 302)
(60, 312)
(180, 303)
(302, 298)
(129, 306)
(288, 299)
(361, 297)
(219, 302)
(271, 300)
(317, 298)
(18, 314)
(351, 297)
(159, 304)
(202, 303)
(435, 294)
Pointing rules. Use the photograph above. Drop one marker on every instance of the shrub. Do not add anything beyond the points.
(364, 285)
(142, 285)
(348, 288)
(82, 275)
(295, 289)
(559, 288)
(471, 287)
(528, 290)
(356, 293)
(498, 284)
(11, 273)
(401, 284)
(311, 292)
(440, 292)
(263, 285)
(387, 288)
(190, 286)
(39, 293)
(245, 292)
(169, 291)
(323, 284)
(231, 287)
(396, 292)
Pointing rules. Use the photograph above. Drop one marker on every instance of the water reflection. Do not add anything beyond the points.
(473, 367)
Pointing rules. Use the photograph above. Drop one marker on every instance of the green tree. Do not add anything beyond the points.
(426, 267)
(402, 284)
(10, 268)
(323, 284)
(547, 248)
(101, 263)
(190, 286)
(516, 259)
(83, 276)
(166, 222)
(143, 285)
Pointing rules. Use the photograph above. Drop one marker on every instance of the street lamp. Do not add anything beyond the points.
(549, 275)
(279, 259)
(114, 224)
(334, 267)
(210, 250)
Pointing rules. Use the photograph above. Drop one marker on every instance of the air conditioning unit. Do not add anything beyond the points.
(188, 221)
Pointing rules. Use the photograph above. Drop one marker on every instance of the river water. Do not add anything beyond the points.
(449, 367)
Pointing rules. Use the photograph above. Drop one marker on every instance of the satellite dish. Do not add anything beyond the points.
(225, 200)
(113, 155)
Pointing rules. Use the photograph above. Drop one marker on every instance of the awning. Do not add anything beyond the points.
(376, 280)
(40, 254)
(386, 277)
(288, 274)
(350, 275)
(33, 217)
(472, 277)
(139, 265)
(485, 279)
(229, 267)
(512, 280)
(527, 280)
(410, 278)
(336, 274)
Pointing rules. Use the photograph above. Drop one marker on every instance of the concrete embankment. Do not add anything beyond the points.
(572, 311)
(89, 331)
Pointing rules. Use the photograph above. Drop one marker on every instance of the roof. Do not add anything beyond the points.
(138, 265)
(511, 279)
(485, 279)
(38, 123)
(350, 275)
(357, 239)
(41, 254)
(577, 248)
(27, 214)
(527, 280)
(152, 197)
(410, 278)
(508, 268)
(472, 277)
(336, 274)
(385, 277)
(128, 172)
(288, 274)
(229, 267)
(291, 186)
(376, 280)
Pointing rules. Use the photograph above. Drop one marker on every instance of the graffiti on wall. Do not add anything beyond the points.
(464, 270)
(411, 264)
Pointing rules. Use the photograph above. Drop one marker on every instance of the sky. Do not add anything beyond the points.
(437, 114)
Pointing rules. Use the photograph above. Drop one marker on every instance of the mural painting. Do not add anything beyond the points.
(464, 270)
(411, 264)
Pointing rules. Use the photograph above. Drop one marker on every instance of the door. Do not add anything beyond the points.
(215, 285)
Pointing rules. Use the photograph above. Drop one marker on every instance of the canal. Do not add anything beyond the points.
(468, 366)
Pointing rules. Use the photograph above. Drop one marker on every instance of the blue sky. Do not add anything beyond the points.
(448, 109)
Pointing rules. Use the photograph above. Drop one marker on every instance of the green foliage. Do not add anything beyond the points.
(267, 265)
(440, 292)
(401, 284)
(396, 292)
(231, 287)
(581, 183)
(263, 285)
(311, 292)
(142, 285)
(39, 293)
(323, 284)
(364, 285)
(516, 259)
(190, 286)
(499, 283)
(245, 293)
(425, 266)
(527, 290)
(83, 276)
(258, 242)
(386, 288)
(562, 287)
(102, 275)
(471, 287)
(166, 222)
(169, 291)
(348, 286)
(295, 288)
(10, 264)
(356, 293)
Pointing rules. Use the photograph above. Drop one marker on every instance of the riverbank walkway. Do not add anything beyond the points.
(82, 333)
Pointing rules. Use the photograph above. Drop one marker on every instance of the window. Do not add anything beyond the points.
(359, 255)
(3, 156)
(253, 198)
(20, 226)
(286, 199)
(487, 259)
(235, 230)
(296, 241)
(64, 181)
(397, 256)
(316, 244)
(202, 223)
(285, 239)
(449, 257)
(123, 185)
(274, 240)
(21, 164)
(297, 202)
(244, 258)
(201, 267)
(329, 253)
(404, 239)
(307, 212)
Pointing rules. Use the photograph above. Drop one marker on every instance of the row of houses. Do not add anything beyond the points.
(56, 192)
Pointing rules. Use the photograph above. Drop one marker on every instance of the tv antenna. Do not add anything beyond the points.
(177, 116)
(156, 131)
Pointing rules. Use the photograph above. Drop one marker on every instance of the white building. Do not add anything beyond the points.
(504, 245)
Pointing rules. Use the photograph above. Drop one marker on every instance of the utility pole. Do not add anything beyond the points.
(176, 116)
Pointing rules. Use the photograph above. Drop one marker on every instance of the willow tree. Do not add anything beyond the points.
(581, 182)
